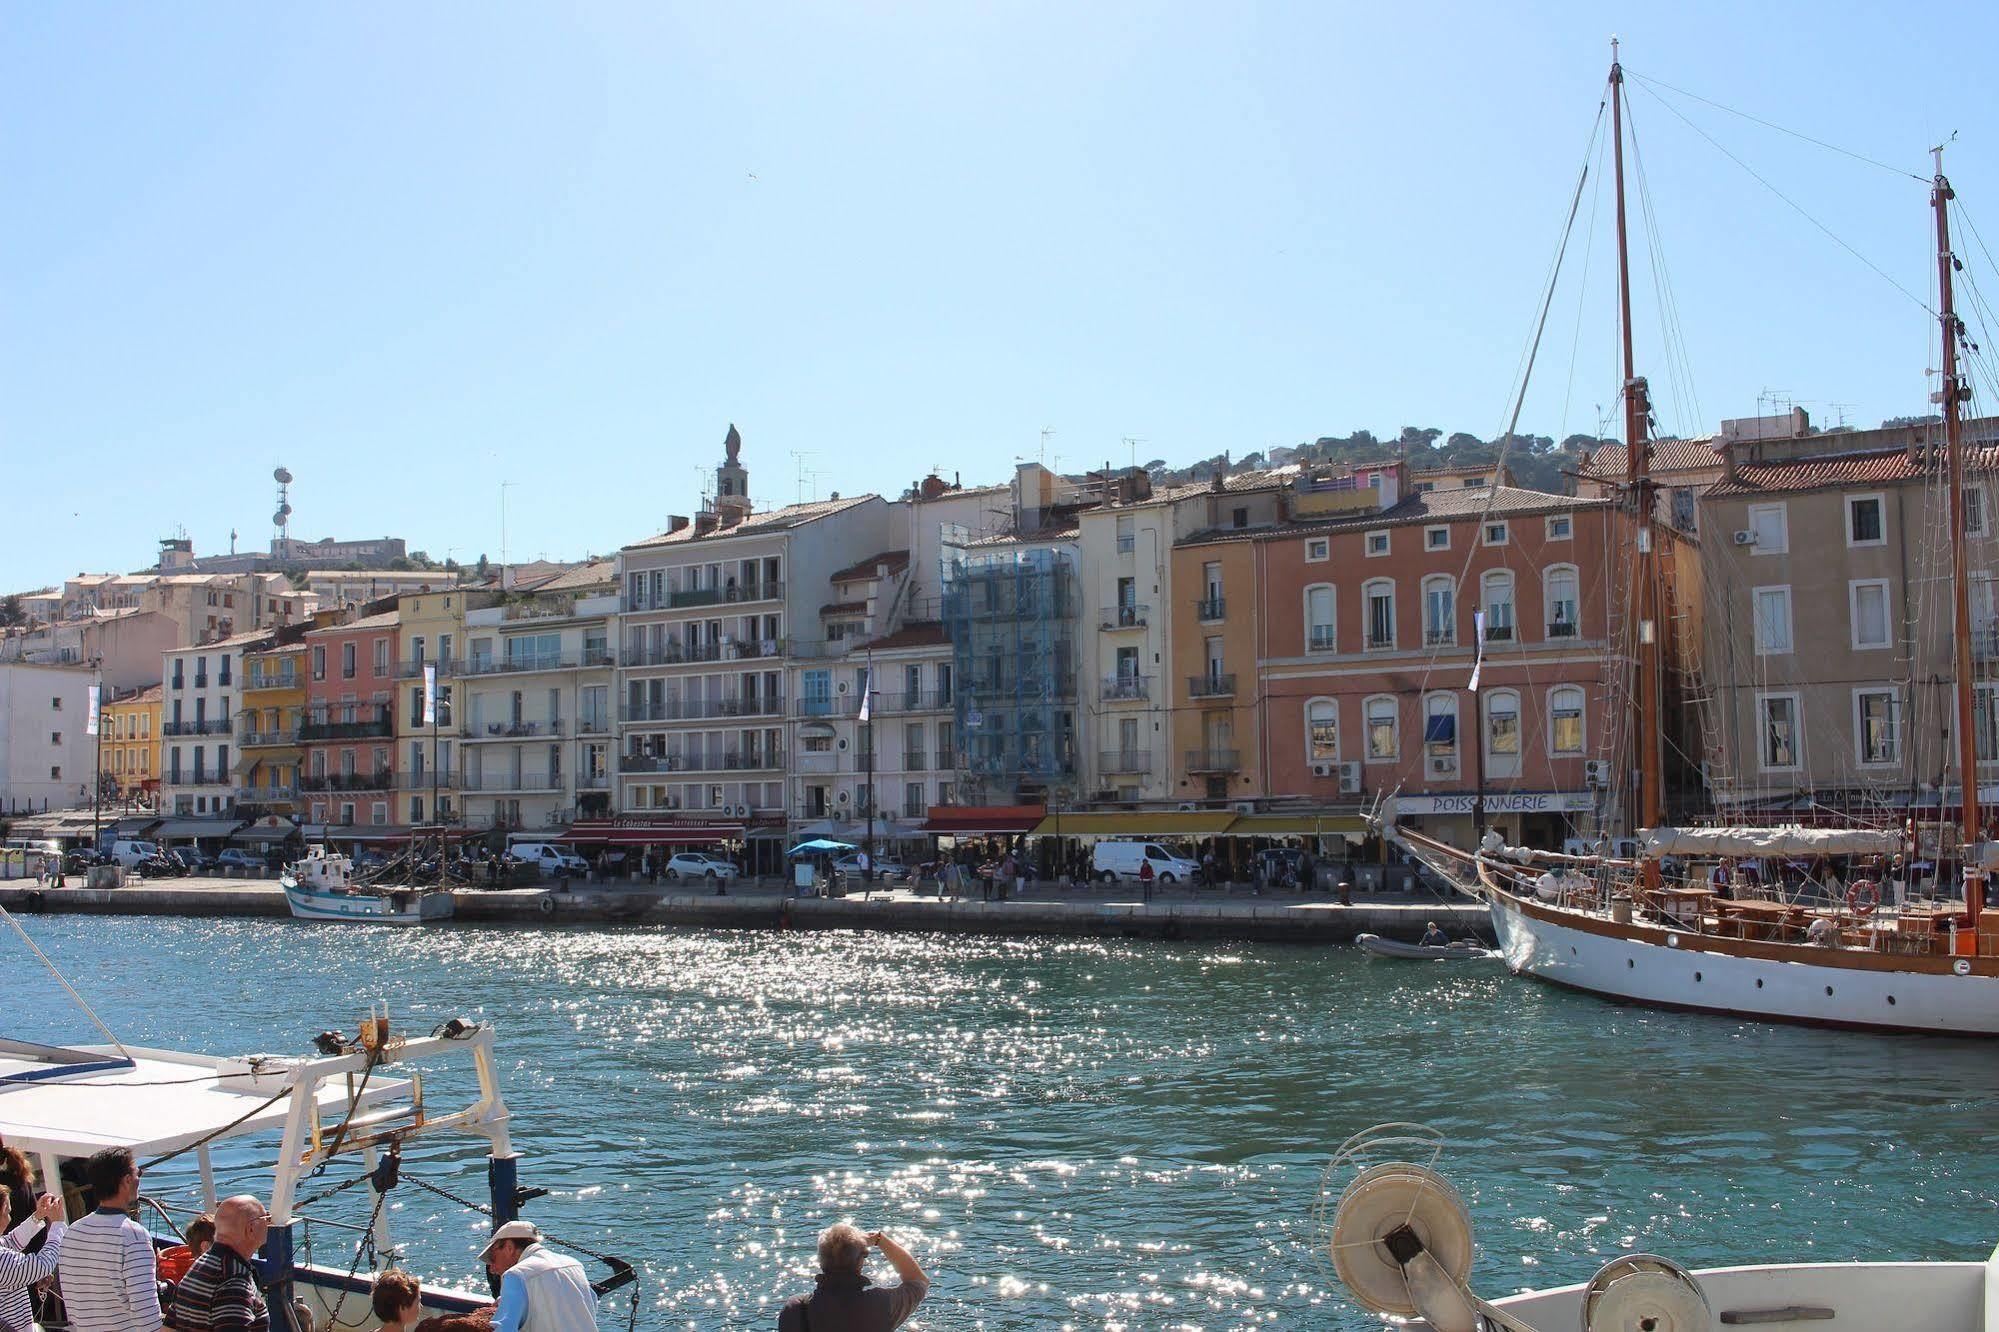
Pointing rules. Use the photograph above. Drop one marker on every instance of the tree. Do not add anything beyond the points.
(402, 564)
(10, 610)
(482, 567)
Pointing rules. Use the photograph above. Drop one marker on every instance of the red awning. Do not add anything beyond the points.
(630, 832)
(983, 820)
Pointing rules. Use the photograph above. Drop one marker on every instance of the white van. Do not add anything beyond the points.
(129, 854)
(552, 859)
(1111, 861)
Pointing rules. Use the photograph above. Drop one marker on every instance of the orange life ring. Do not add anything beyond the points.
(1862, 897)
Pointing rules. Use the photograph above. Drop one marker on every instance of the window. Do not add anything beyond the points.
(1384, 740)
(1770, 528)
(318, 665)
(1322, 731)
(1559, 586)
(1318, 550)
(1877, 726)
(1440, 735)
(1319, 618)
(1495, 534)
(1779, 744)
(416, 650)
(381, 656)
(1241, 517)
(1377, 543)
(1866, 520)
(1561, 527)
(1977, 514)
(1436, 538)
(1380, 598)
(1502, 732)
(347, 661)
(1496, 594)
(1773, 620)
(1565, 721)
(1440, 611)
(1126, 537)
(1987, 722)
(55, 737)
(1867, 603)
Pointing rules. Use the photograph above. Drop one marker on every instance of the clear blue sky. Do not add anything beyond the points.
(411, 251)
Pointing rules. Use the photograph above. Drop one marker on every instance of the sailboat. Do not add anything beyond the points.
(1616, 927)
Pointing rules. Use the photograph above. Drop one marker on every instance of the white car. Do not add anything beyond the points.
(698, 865)
(552, 858)
(886, 870)
(1114, 861)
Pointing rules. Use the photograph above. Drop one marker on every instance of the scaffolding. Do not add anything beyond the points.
(1011, 618)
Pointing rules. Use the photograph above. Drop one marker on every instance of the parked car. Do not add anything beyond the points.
(132, 853)
(1113, 861)
(237, 858)
(554, 860)
(196, 860)
(887, 869)
(700, 865)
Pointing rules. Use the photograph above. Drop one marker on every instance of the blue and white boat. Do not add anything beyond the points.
(321, 887)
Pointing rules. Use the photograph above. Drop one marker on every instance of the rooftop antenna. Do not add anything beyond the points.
(1042, 457)
(1839, 409)
(281, 519)
(1132, 442)
(232, 541)
(504, 487)
(798, 457)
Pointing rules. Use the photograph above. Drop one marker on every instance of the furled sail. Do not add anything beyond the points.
(1780, 841)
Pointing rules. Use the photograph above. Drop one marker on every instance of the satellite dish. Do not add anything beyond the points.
(285, 509)
(282, 476)
(278, 518)
(1641, 1292)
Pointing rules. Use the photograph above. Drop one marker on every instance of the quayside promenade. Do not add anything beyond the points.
(1049, 909)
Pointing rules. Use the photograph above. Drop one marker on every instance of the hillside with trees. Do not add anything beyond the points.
(1537, 462)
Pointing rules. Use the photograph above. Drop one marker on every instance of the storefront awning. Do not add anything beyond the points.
(1135, 823)
(983, 820)
(1299, 825)
(196, 828)
(631, 832)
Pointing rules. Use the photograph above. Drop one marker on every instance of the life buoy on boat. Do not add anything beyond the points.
(1862, 897)
(546, 906)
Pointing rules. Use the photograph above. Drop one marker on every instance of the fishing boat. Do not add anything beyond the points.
(1458, 950)
(1399, 1238)
(1880, 956)
(323, 886)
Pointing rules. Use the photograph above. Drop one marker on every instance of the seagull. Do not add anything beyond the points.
(753, 175)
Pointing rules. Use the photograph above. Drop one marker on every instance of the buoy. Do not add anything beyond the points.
(546, 906)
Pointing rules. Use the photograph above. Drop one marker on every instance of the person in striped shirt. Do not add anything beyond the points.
(107, 1271)
(219, 1293)
(21, 1270)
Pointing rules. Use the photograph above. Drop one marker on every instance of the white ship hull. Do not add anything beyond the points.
(408, 907)
(1652, 964)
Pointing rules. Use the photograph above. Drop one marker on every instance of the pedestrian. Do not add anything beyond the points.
(1145, 878)
(842, 1300)
(652, 864)
(42, 870)
(219, 1292)
(20, 1269)
(107, 1268)
(540, 1290)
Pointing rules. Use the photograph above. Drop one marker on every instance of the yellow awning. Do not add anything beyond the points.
(1299, 825)
(1136, 824)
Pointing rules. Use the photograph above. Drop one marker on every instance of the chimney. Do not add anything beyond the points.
(704, 522)
(931, 487)
(1728, 460)
(675, 522)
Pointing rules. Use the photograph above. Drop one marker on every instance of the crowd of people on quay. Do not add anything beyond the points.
(111, 1275)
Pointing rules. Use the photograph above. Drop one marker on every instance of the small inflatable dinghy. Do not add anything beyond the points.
(1462, 950)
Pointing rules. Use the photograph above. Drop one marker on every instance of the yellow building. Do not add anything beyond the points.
(267, 724)
(129, 733)
(432, 630)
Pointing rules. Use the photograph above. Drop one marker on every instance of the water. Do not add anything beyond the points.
(1074, 1134)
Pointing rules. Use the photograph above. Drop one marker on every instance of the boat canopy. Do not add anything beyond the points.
(1786, 840)
(67, 1101)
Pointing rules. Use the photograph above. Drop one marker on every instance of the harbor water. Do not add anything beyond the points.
(1081, 1134)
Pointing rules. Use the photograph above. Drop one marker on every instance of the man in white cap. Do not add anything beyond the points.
(540, 1290)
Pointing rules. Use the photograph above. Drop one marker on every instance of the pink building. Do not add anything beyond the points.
(348, 739)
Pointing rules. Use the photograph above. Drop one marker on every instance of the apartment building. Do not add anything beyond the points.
(1368, 631)
(710, 614)
(534, 716)
(199, 692)
(1829, 648)
(348, 737)
(129, 722)
(269, 756)
(46, 755)
(361, 587)
(432, 632)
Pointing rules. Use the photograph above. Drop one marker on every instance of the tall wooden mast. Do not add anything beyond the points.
(1951, 395)
(1647, 803)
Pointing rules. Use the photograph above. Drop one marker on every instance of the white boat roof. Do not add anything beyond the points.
(76, 1100)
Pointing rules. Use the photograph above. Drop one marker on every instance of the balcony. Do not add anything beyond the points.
(200, 680)
(830, 706)
(914, 760)
(525, 663)
(1126, 616)
(1209, 609)
(729, 761)
(1320, 638)
(1127, 689)
(914, 700)
(1440, 638)
(441, 779)
(282, 680)
(265, 795)
(1212, 685)
(504, 783)
(219, 727)
(1213, 760)
(1126, 761)
(677, 654)
(704, 709)
(1498, 633)
(1562, 629)
(596, 781)
(446, 667)
(267, 739)
(199, 778)
(378, 728)
(513, 730)
(351, 781)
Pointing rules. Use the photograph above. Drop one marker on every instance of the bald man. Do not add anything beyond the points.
(219, 1293)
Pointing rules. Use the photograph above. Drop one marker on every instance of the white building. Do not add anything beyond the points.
(198, 694)
(536, 725)
(47, 758)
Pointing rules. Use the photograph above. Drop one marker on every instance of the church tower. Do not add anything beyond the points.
(732, 483)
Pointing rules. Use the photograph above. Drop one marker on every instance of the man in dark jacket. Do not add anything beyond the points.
(844, 1301)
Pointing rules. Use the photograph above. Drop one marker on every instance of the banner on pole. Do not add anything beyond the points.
(429, 694)
(1478, 633)
(867, 695)
(90, 717)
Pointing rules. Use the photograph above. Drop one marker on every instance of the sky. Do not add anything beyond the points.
(445, 259)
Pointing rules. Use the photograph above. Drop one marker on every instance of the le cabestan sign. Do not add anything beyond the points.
(1499, 802)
